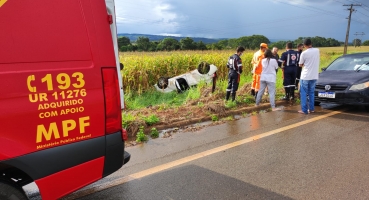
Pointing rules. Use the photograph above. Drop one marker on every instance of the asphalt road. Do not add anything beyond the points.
(274, 155)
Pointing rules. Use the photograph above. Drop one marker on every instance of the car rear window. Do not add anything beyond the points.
(350, 63)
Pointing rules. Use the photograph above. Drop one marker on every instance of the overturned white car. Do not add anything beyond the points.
(204, 72)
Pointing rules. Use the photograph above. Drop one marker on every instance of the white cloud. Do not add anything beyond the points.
(155, 16)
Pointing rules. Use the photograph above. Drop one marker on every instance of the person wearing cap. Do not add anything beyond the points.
(300, 47)
(310, 61)
(290, 64)
(234, 71)
(257, 68)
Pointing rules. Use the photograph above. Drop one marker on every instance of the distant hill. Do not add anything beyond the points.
(133, 37)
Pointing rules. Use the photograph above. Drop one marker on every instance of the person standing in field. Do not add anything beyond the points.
(290, 64)
(300, 47)
(257, 68)
(268, 78)
(234, 65)
(275, 56)
(310, 61)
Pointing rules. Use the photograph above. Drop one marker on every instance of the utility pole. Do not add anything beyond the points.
(348, 26)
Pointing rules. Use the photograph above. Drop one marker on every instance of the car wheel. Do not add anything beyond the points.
(367, 108)
(11, 192)
(316, 103)
(203, 68)
(163, 82)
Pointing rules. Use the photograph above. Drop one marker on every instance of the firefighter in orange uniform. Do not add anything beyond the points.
(257, 68)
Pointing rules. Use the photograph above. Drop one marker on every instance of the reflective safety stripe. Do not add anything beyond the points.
(2, 2)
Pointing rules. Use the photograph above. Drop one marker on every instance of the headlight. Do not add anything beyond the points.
(360, 86)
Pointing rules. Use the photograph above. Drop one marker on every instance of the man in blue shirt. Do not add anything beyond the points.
(235, 69)
(289, 65)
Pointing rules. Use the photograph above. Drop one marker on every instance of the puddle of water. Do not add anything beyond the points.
(166, 133)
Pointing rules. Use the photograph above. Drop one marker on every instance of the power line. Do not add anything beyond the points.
(312, 8)
(338, 1)
(173, 24)
(357, 33)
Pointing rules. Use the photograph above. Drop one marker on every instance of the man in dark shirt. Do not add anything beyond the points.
(235, 69)
(290, 64)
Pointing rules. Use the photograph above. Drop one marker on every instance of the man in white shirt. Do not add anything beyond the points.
(310, 61)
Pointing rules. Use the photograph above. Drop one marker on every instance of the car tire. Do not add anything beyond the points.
(203, 68)
(316, 103)
(367, 108)
(11, 192)
(163, 82)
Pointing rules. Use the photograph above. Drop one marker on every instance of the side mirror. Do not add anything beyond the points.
(324, 68)
(121, 66)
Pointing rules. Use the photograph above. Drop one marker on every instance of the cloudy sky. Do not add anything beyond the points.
(276, 19)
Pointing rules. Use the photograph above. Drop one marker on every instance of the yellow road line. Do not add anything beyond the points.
(187, 159)
(2, 2)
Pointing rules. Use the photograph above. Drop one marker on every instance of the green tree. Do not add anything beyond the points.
(280, 44)
(123, 48)
(244, 41)
(233, 43)
(366, 43)
(224, 43)
(187, 44)
(132, 47)
(143, 44)
(216, 46)
(128, 48)
(123, 41)
(252, 42)
(333, 42)
(319, 41)
(299, 40)
(169, 44)
(201, 46)
(153, 46)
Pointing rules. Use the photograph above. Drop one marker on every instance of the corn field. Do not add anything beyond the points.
(143, 69)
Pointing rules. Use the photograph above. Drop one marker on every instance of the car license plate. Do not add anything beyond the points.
(327, 95)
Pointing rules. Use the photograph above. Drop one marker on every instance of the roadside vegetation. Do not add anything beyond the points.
(147, 108)
(143, 44)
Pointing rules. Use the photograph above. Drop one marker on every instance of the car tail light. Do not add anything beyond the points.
(124, 134)
(113, 116)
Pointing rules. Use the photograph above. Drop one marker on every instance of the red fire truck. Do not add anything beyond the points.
(60, 96)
